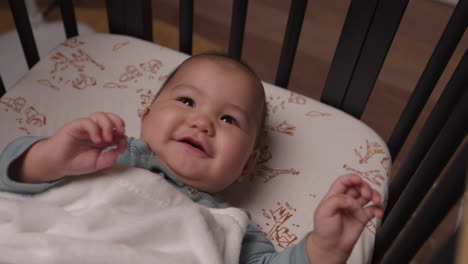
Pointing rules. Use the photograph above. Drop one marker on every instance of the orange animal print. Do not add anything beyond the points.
(162, 78)
(373, 176)
(61, 63)
(131, 72)
(146, 97)
(296, 99)
(285, 128)
(273, 106)
(72, 43)
(314, 113)
(372, 148)
(24, 130)
(386, 165)
(114, 85)
(34, 117)
(278, 231)
(82, 56)
(265, 155)
(151, 66)
(47, 83)
(119, 45)
(58, 79)
(267, 173)
(15, 104)
(83, 81)
(371, 226)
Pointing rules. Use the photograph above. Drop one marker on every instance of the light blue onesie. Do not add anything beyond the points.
(256, 248)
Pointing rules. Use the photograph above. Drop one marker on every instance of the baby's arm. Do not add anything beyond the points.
(340, 218)
(74, 149)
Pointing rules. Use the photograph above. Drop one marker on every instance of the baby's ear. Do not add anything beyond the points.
(144, 114)
(249, 165)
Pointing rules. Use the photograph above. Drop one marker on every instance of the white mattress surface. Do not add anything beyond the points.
(308, 144)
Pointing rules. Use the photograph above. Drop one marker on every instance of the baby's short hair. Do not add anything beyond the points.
(242, 65)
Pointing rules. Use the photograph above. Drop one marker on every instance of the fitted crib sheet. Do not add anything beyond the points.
(307, 144)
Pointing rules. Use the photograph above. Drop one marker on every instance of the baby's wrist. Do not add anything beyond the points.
(35, 165)
(319, 251)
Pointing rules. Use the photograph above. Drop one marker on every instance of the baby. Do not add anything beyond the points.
(202, 132)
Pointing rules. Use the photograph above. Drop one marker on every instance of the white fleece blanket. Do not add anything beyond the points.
(120, 215)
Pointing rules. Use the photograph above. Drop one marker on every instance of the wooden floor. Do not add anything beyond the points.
(415, 40)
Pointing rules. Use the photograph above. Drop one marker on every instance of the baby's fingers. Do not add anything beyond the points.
(374, 211)
(346, 184)
(85, 129)
(107, 159)
(345, 205)
(107, 125)
(118, 123)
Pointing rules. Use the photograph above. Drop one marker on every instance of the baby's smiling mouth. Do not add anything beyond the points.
(194, 144)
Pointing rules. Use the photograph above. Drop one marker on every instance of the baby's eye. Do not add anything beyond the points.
(230, 120)
(186, 101)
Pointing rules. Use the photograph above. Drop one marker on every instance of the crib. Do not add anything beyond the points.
(366, 37)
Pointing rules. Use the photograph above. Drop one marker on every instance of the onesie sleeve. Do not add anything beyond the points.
(256, 248)
(11, 152)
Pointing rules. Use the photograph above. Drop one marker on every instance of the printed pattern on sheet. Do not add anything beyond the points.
(306, 143)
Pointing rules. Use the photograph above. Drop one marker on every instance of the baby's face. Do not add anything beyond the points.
(203, 125)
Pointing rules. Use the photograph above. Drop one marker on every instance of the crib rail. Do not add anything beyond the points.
(131, 18)
(446, 143)
(2, 87)
(437, 119)
(384, 23)
(446, 253)
(366, 37)
(352, 38)
(23, 26)
(291, 39)
(440, 57)
(449, 190)
(69, 19)
(186, 26)
(236, 36)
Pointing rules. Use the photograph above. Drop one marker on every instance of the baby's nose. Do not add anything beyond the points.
(202, 122)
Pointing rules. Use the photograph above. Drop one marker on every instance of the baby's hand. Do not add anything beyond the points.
(340, 218)
(75, 149)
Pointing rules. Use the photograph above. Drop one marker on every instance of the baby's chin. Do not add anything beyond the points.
(193, 174)
(185, 175)
(197, 181)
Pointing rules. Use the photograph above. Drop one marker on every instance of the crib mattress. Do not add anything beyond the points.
(307, 144)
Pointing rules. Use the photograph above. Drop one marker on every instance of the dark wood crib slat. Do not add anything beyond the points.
(434, 123)
(353, 34)
(291, 39)
(386, 20)
(439, 202)
(186, 26)
(437, 157)
(440, 57)
(2, 87)
(69, 19)
(366, 37)
(132, 18)
(23, 26)
(446, 253)
(236, 39)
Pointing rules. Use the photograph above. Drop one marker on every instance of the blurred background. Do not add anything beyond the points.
(419, 31)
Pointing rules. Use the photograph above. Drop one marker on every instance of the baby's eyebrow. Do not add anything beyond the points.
(241, 110)
(188, 87)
